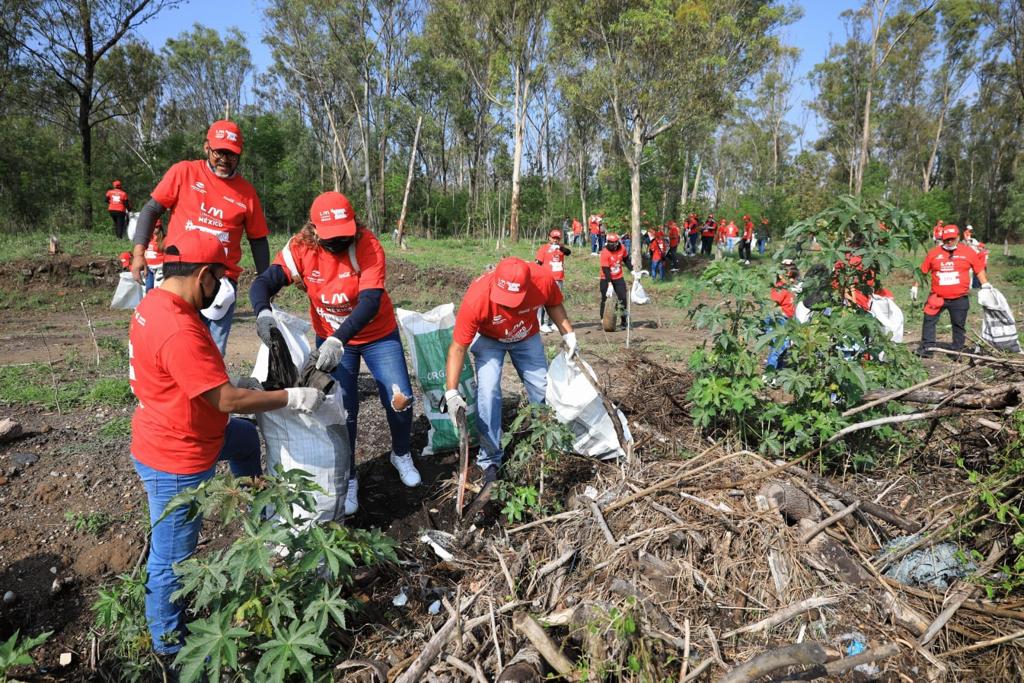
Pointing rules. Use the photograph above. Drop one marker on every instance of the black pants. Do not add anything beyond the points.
(120, 219)
(705, 245)
(957, 315)
(744, 250)
(620, 292)
(673, 257)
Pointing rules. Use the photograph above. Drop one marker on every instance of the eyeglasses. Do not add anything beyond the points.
(223, 154)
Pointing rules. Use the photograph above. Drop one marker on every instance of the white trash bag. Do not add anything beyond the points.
(637, 293)
(890, 315)
(316, 443)
(133, 224)
(128, 293)
(998, 326)
(577, 404)
(222, 302)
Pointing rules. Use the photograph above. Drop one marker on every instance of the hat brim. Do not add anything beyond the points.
(224, 143)
(505, 298)
(336, 229)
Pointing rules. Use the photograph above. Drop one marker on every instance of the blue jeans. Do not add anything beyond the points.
(150, 276)
(594, 243)
(174, 538)
(761, 243)
(776, 359)
(386, 362)
(691, 244)
(531, 364)
(658, 269)
(220, 329)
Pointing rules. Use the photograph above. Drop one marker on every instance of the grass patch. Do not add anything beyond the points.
(117, 428)
(34, 385)
(109, 391)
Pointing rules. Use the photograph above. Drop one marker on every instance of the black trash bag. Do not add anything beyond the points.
(281, 371)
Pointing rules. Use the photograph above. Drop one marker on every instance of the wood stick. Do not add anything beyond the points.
(92, 331)
(873, 655)
(504, 570)
(801, 654)
(783, 615)
(537, 522)
(433, 647)
(556, 563)
(464, 668)
(971, 605)
(608, 536)
(961, 591)
(534, 632)
(686, 650)
(902, 392)
(990, 359)
(494, 636)
(698, 671)
(985, 643)
(665, 483)
(829, 521)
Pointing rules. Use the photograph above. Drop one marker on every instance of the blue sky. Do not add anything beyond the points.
(819, 27)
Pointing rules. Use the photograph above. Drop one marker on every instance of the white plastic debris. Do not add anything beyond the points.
(401, 599)
(435, 607)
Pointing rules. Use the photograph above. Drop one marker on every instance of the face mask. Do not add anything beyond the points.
(613, 247)
(336, 245)
(949, 247)
(208, 300)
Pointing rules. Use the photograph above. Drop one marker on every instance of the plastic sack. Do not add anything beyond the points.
(133, 223)
(885, 311)
(577, 404)
(998, 326)
(316, 443)
(636, 292)
(427, 337)
(225, 297)
(128, 293)
(938, 566)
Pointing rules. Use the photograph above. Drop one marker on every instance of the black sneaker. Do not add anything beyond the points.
(490, 474)
(923, 352)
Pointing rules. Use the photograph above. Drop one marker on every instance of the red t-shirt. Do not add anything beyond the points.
(117, 200)
(508, 325)
(658, 248)
(154, 256)
(673, 235)
(595, 226)
(748, 231)
(552, 258)
(785, 299)
(577, 227)
(951, 270)
(613, 261)
(708, 230)
(333, 284)
(731, 230)
(172, 362)
(199, 200)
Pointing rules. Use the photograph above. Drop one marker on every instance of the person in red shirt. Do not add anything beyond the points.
(707, 235)
(154, 256)
(181, 426)
(762, 236)
(498, 316)
(732, 236)
(674, 236)
(692, 235)
(118, 206)
(209, 195)
(613, 257)
(746, 239)
(784, 297)
(577, 233)
(552, 256)
(595, 233)
(950, 265)
(937, 230)
(341, 267)
(659, 252)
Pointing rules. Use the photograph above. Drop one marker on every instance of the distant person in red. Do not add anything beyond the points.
(950, 265)
(692, 227)
(125, 258)
(659, 253)
(118, 206)
(762, 236)
(784, 297)
(552, 256)
(613, 257)
(155, 257)
(732, 236)
(674, 237)
(577, 233)
(746, 239)
(498, 317)
(594, 223)
(341, 267)
(707, 235)
(209, 195)
(182, 425)
(937, 230)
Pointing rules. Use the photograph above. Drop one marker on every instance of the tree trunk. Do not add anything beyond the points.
(408, 182)
(929, 169)
(522, 89)
(686, 185)
(865, 138)
(583, 188)
(85, 131)
(696, 180)
(634, 159)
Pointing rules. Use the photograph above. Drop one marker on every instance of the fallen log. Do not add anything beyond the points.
(801, 654)
(534, 632)
(524, 667)
(891, 395)
(1002, 396)
(434, 646)
(783, 615)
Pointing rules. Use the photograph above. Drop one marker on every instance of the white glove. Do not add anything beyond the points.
(454, 401)
(329, 354)
(913, 293)
(987, 285)
(304, 399)
(571, 345)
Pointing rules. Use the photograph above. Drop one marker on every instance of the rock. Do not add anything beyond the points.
(65, 658)
(9, 430)
(24, 459)
(10, 598)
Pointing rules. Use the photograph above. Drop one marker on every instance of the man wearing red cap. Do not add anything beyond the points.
(118, 206)
(577, 233)
(746, 239)
(211, 196)
(181, 427)
(707, 235)
(341, 267)
(498, 316)
(613, 256)
(674, 235)
(950, 265)
(552, 256)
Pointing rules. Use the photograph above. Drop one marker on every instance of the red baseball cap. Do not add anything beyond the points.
(511, 278)
(225, 135)
(332, 216)
(196, 246)
(555, 233)
(612, 238)
(949, 232)
(116, 183)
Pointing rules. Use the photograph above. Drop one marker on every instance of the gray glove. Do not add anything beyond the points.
(265, 322)
(329, 354)
(454, 402)
(304, 399)
(250, 383)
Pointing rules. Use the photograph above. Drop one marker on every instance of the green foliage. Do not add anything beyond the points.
(517, 500)
(119, 614)
(94, 523)
(534, 444)
(110, 392)
(14, 653)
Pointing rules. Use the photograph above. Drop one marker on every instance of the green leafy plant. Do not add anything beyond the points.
(15, 652)
(517, 500)
(94, 523)
(268, 605)
(534, 444)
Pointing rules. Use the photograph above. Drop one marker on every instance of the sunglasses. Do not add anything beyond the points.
(223, 154)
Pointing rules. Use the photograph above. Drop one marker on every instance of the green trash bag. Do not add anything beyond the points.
(427, 336)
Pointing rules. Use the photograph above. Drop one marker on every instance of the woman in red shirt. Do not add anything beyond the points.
(341, 267)
(613, 256)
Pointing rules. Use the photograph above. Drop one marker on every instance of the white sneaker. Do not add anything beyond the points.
(352, 498)
(407, 471)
